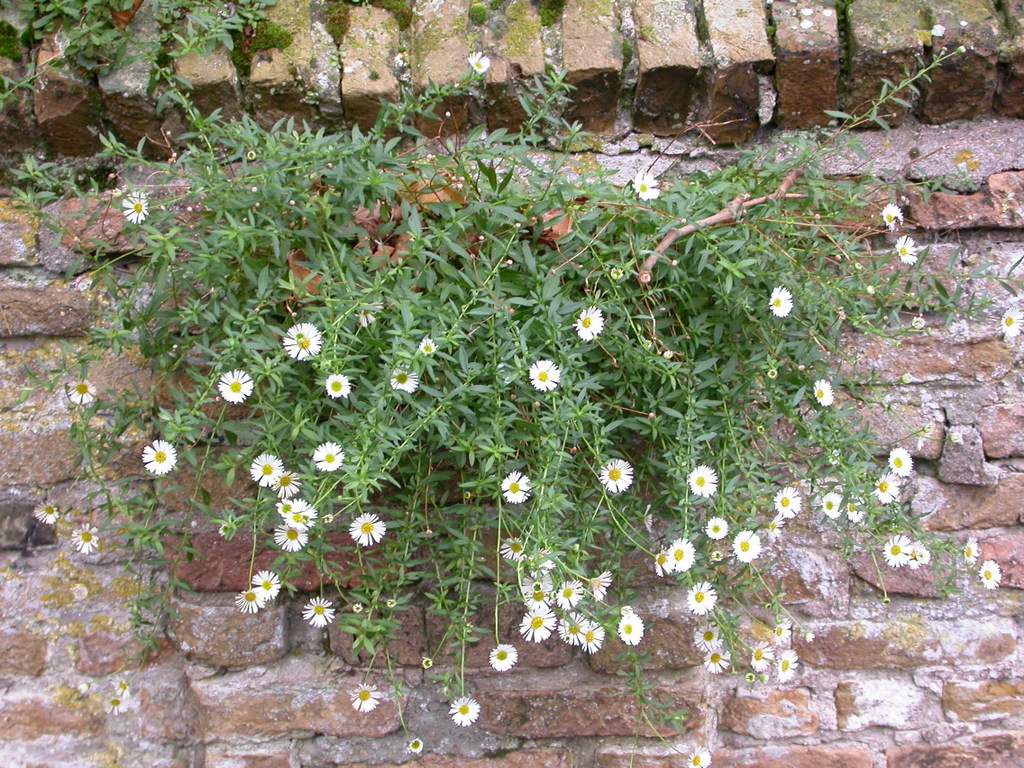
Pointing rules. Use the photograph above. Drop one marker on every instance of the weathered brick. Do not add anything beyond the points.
(963, 460)
(213, 80)
(18, 130)
(281, 81)
(222, 565)
(946, 507)
(19, 235)
(406, 646)
(1009, 97)
(103, 653)
(806, 62)
(520, 758)
(793, 757)
(901, 581)
(962, 87)
(668, 50)
(913, 426)
(1002, 430)
(983, 701)
(592, 57)
(214, 632)
(580, 710)
(215, 757)
(367, 79)
(37, 456)
(1007, 549)
(22, 653)
(517, 52)
(997, 205)
(888, 703)
(815, 580)
(29, 717)
(985, 751)
(439, 55)
(44, 309)
(65, 105)
(667, 641)
(933, 358)
(296, 694)
(739, 44)
(165, 706)
(883, 43)
(772, 714)
(93, 224)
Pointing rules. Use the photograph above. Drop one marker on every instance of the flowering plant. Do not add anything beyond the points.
(421, 366)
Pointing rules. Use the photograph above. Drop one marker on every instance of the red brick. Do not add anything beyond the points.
(102, 653)
(793, 757)
(517, 53)
(616, 758)
(806, 62)
(592, 58)
(901, 581)
(1007, 549)
(775, 714)
(43, 310)
(950, 507)
(22, 653)
(93, 224)
(37, 457)
(521, 758)
(406, 646)
(995, 206)
(933, 358)
(580, 710)
(1002, 430)
(883, 43)
(668, 50)
(890, 702)
(668, 644)
(214, 632)
(28, 719)
(996, 751)
(66, 105)
(243, 760)
(983, 701)
(917, 428)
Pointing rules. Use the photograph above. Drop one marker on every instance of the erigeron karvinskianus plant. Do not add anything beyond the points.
(459, 361)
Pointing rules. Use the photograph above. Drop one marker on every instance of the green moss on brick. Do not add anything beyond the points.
(10, 46)
(400, 9)
(551, 12)
(478, 13)
(267, 35)
(627, 53)
(338, 20)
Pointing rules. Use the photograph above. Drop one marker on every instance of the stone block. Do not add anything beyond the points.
(1009, 96)
(22, 653)
(36, 455)
(18, 131)
(367, 78)
(962, 87)
(1007, 549)
(281, 81)
(17, 525)
(899, 581)
(529, 757)
(769, 714)
(886, 703)
(806, 62)
(957, 507)
(94, 224)
(66, 106)
(293, 696)
(216, 757)
(794, 757)
(440, 51)
(580, 710)
(883, 43)
(914, 426)
(737, 31)
(983, 701)
(919, 359)
(963, 460)
(592, 58)
(668, 50)
(406, 645)
(996, 206)
(213, 79)
(214, 632)
(104, 653)
(27, 718)
(667, 641)
(42, 309)
(514, 37)
(1002, 430)
(19, 233)
(1002, 749)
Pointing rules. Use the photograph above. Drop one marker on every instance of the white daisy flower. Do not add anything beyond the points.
(569, 594)
(160, 457)
(783, 632)
(887, 489)
(616, 476)
(631, 628)
(590, 323)
(919, 556)
(235, 386)
(544, 375)
(516, 487)
(786, 665)
(681, 555)
(776, 526)
(298, 514)
(900, 462)
(706, 639)
(464, 711)
(762, 657)
(717, 661)
(303, 341)
(266, 469)
(328, 457)
(290, 539)
(479, 63)
(746, 546)
(117, 704)
(318, 612)
(427, 346)
(405, 381)
(645, 186)
(570, 628)
(535, 592)
(504, 657)
(367, 529)
(513, 549)
(267, 584)
(906, 250)
(701, 598)
(855, 511)
(788, 502)
(592, 635)
(365, 698)
(1011, 322)
(823, 392)
(366, 317)
(892, 215)
(287, 485)
(338, 386)
(46, 513)
(538, 624)
(703, 481)
(599, 586)
(248, 601)
(81, 392)
(832, 505)
(662, 563)
(971, 551)
(85, 539)
(135, 207)
(717, 528)
(699, 758)
(897, 551)
(781, 302)
(990, 574)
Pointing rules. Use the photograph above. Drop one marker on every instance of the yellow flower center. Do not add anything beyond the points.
(293, 534)
(537, 622)
(701, 482)
(502, 655)
(513, 488)
(137, 207)
(1009, 321)
(401, 378)
(699, 597)
(236, 386)
(542, 376)
(758, 654)
(329, 458)
(464, 709)
(587, 322)
(567, 594)
(160, 457)
(615, 475)
(250, 597)
(590, 636)
(628, 629)
(267, 585)
(364, 695)
(285, 481)
(785, 501)
(82, 389)
(301, 341)
(897, 463)
(896, 550)
(268, 470)
(785, 665)
(745, 546)
(883, 487)
(367, 528)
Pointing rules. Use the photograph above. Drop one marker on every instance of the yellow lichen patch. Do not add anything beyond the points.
(12, 213)
(69, 584)
(907, 632)
(967, 159)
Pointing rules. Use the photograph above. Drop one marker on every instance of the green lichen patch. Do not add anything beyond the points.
(267, 35)
(10, 46)
(478, 14)
(551, 12)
